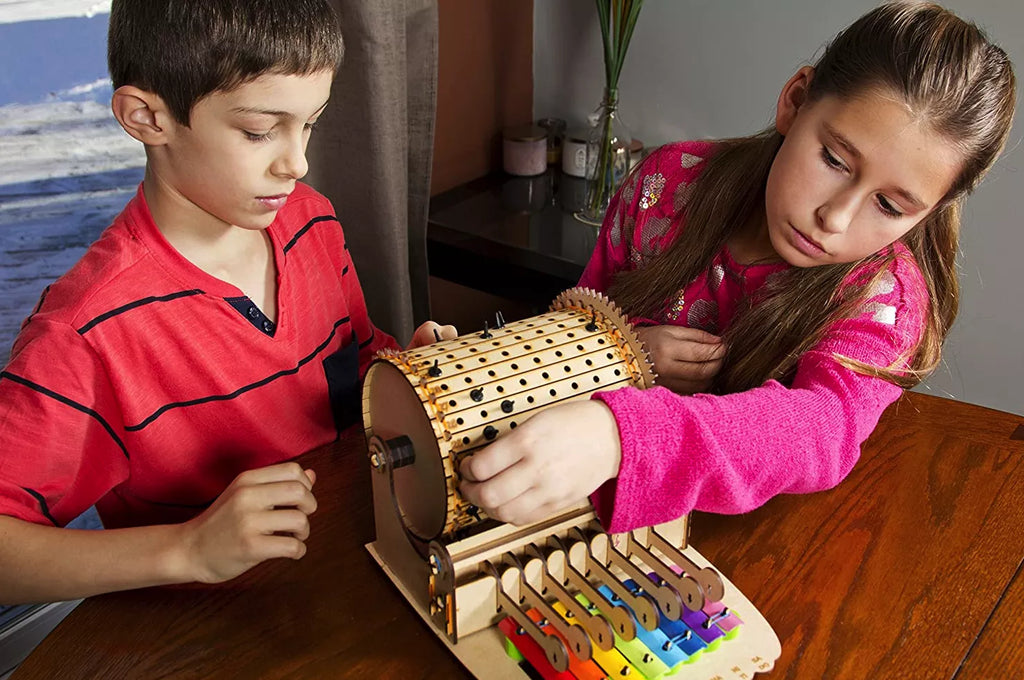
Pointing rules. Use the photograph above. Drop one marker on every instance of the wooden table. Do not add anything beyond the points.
(910, 568)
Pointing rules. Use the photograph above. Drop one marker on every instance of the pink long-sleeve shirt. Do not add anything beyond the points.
(732, 453)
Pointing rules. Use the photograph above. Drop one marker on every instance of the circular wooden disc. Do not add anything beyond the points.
(393, 408)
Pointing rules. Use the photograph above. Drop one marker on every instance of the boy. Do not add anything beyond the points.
(214, 331)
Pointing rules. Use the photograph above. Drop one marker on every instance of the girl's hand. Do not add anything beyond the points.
(553, 460)
(262, 514)
(424, 335)
(686, 359)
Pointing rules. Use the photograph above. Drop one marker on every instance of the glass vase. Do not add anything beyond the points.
(607, 158)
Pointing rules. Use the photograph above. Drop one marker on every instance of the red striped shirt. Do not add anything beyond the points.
(144, 385)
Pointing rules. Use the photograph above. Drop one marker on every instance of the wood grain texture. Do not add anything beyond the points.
(895, 573)
(484, 83)
(332, 614)
(999, 652)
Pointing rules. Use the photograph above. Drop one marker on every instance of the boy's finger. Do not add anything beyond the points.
(288, 494)
(269, 547)
(286, 521)
(695, 352)
(281, 472)
(528, 507)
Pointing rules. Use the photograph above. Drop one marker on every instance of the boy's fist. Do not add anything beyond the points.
(263, 514)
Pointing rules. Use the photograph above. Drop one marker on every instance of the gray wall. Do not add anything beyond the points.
(705, 69)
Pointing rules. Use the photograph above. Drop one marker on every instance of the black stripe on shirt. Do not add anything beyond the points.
(70, 402)
(42, 505)
(344, 270)
(241, 390)
(301, 232)
(369, 340)
(39, 305)
(132, 305)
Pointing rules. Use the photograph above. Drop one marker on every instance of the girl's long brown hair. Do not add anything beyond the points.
(947, 72)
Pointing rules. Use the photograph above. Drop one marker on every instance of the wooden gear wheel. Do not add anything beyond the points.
(426, 409)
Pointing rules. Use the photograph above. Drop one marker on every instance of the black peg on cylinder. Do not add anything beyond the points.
(477, 394)
(490, 432)
(592, 326)
(437, 336)
(487, 333)
(507, 406)
(434, 371)
(500, 319)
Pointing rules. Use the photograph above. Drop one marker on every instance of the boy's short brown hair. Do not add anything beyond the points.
(184, 50)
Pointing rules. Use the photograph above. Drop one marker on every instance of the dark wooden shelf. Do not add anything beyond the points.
(511, 236)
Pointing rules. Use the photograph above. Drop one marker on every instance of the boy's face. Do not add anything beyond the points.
(243, 151)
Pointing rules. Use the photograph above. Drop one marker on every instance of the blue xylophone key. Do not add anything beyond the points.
(682, 637)
(654, 640)
(651, 667)
(712, 624)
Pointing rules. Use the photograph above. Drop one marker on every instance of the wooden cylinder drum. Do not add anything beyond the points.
(426, 409)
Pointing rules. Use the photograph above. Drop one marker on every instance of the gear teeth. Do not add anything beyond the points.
(590, 300)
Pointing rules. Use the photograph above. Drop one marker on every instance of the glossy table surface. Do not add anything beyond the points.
(515, 237)
(909, 568)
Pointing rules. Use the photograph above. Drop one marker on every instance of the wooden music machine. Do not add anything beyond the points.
(559, 594)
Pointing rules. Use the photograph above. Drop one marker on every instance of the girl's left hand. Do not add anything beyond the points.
(424, 335)
(686, 359)
(553, 460)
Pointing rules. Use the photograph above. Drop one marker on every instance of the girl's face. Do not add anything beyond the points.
(852, 175)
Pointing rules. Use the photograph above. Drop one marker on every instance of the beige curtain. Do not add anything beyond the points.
(371, 155)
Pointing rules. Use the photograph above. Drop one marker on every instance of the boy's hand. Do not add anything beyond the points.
(262, 514)
(686, 359)
(424, 335)
(551, 461)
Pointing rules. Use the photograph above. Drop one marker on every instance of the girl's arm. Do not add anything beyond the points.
(731, 453)
(669, 454)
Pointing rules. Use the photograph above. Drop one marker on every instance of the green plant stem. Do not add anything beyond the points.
(617, 19)
(604, 168)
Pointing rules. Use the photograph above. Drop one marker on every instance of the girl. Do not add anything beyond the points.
(788, 285)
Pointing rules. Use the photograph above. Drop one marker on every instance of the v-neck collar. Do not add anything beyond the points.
(189, 275)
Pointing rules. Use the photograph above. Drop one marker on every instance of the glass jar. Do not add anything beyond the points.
(607, 158)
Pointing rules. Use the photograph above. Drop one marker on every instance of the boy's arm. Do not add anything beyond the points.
(63, 447)
(45, 564)
(611, 252)
(262, 515)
